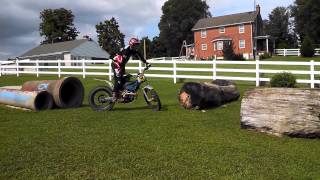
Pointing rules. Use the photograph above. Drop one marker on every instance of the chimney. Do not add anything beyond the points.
(258, 9)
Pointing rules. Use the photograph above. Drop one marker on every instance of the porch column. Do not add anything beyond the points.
(267, 41)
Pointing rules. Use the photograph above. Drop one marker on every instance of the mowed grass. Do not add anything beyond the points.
(132, 142)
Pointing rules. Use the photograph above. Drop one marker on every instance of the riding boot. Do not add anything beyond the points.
(115, 96)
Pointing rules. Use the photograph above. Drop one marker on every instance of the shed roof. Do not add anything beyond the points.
(54, 48)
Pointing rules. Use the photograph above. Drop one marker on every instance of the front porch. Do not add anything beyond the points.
(264, 44)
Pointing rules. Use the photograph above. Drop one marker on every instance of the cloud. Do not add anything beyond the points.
(222, 7)
(19, 19)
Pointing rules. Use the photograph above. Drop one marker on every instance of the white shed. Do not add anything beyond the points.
(68, 50)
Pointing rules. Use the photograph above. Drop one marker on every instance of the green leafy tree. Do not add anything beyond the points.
(278, 26)
(148, 44)
(307, 49)
(179, 16)
(157, 48)
(154, 48)
(228, 52)
(306, 14)
(109, 36)
(57, 25)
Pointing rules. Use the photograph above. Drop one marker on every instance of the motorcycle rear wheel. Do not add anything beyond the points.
(98, 98)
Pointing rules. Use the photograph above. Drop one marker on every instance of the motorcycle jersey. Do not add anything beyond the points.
(122, 58)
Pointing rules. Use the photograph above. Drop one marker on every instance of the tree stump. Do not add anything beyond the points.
(206, 95)
(282, 111)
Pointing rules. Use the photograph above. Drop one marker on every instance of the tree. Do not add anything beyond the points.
(157, 48)
(307, 49)
(57, 25)
(228, 52)
(148, 44)
(179, 16)
(307, 19)
(278, 26)
(109, 36)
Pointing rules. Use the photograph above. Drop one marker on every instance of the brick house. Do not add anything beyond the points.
(245, 30)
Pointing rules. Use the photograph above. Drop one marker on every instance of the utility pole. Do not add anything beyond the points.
(144, 49)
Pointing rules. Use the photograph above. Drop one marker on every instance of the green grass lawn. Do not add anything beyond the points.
(132, 142)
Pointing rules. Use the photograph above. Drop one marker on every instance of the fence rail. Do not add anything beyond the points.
(172, 69)
(293, 52)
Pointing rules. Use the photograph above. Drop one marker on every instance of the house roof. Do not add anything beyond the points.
(246, 17)
(55, 48)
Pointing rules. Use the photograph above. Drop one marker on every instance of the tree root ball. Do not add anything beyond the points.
(207, 95)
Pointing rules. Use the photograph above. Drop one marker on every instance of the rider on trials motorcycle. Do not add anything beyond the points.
(119, 64)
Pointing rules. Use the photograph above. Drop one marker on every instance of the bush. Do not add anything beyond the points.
(307, 49)
(228, 53)
(283, 80)
(265, 56)
(238, 57)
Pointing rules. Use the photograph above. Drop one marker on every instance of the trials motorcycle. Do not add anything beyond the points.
(100, 97)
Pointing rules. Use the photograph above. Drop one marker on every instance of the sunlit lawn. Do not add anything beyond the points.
(132, 142)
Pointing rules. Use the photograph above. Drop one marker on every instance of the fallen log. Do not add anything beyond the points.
(282, 111)
(206, 95)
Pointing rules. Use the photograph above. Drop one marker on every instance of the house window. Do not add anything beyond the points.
(222, 30)
(204, 47)
(241, 28)
(220, 45)
(242, 44)
(203, 33)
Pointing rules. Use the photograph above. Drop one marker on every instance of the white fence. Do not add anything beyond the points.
(293, 52)
(103, 68)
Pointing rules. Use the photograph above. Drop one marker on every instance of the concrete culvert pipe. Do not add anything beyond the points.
(34, 100)
(67, 92)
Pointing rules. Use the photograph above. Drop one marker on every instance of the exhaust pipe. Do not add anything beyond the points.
(34, 100)
(67, 92)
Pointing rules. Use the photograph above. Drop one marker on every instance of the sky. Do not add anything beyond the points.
(19, 19)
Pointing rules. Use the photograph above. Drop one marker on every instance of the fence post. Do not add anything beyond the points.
(299, 53)
(0, 69)
(214, 69)
(284, 52)
(17, 67)
(312, 73)
(257, 73)
(59, 68)
(140, 67)
(174, 71)
(37, 67)
(110, 70)
(83, 69)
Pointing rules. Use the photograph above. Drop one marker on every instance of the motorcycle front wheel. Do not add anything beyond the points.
(152, 99)
(100, 98)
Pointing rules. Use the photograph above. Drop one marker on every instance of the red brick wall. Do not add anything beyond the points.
(230, 31)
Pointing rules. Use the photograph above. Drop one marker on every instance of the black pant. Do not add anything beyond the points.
(118, 78)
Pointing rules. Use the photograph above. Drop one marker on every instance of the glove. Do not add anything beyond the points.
(148, 65)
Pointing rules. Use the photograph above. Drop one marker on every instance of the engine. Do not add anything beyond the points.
(128, 96)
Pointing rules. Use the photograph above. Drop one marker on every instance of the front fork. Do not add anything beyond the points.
(145, 89)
